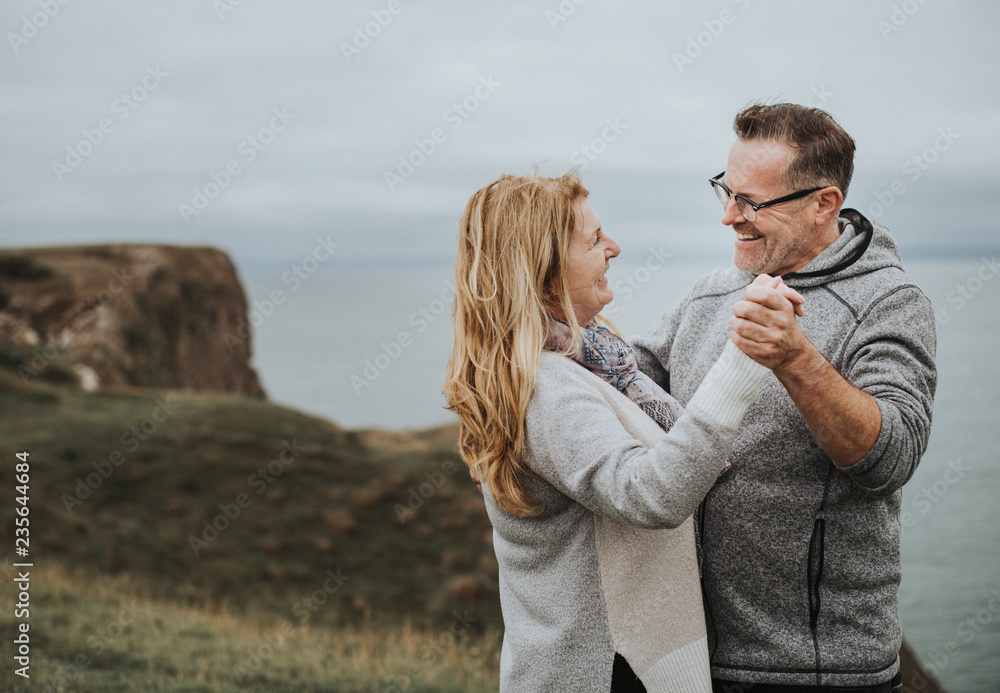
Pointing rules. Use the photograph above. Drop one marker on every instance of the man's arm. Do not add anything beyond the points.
(848, 422)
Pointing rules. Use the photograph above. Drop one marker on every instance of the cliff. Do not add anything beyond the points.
(108, 316)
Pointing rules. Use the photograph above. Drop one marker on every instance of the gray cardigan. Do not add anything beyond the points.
(801, 556)
(598, 571)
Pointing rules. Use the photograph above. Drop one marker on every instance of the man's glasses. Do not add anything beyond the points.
(748, 208)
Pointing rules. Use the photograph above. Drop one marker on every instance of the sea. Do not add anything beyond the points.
(366, 345)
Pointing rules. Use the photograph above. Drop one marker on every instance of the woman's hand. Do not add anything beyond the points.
(779, 285)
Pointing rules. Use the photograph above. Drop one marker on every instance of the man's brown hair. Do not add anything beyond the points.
(824, 152)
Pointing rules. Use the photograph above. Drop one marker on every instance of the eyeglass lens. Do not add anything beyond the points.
(748, 212)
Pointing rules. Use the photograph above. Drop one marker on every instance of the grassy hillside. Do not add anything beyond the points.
(145, 486)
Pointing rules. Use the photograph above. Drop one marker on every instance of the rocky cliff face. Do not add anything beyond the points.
(126, 315)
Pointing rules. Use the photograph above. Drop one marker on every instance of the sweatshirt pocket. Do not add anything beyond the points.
(815, 569)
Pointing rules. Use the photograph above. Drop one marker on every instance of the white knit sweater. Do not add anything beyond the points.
(609, 564)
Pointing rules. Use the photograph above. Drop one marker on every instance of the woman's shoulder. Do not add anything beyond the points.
(560, 381)
(558, 374)
(565, 385)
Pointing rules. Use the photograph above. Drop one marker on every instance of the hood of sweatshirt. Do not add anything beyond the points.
(861, 248)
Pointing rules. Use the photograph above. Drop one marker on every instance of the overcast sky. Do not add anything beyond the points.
(117, 117)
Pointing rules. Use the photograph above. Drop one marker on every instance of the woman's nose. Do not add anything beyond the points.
(613, 248)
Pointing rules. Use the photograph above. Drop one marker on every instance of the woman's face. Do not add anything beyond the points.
(590, 252)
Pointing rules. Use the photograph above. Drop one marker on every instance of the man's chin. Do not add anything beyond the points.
(748, 262)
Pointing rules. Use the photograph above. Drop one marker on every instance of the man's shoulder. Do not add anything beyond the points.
(866, 290)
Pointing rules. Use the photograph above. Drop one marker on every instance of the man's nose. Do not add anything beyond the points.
(731, 214)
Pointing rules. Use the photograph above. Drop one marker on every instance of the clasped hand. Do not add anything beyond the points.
(764, 324)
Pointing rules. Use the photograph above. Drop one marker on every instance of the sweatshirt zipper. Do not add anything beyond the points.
(814, 571)
(816, 568)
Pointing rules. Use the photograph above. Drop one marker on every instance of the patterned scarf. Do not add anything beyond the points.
(609, 356)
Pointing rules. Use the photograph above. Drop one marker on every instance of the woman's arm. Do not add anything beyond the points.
(577, 443)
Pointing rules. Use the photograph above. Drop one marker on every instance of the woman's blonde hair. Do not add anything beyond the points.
(510, 277)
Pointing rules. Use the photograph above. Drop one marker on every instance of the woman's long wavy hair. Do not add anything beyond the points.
(510, 277)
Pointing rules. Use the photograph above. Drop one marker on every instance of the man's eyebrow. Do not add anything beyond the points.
(749, 195)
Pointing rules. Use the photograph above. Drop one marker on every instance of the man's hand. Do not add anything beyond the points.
(764, 323)
(845, 420)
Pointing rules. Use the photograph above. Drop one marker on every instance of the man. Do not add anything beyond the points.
(801, 537)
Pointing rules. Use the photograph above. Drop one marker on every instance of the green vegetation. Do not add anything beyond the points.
(135, 494)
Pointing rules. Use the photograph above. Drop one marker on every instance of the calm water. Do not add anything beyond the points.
(367, 347)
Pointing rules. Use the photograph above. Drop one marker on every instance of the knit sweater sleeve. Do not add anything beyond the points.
(576, 442)
(652, 350)
(891, 357)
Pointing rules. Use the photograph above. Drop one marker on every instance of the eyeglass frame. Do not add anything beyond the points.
(757, 206)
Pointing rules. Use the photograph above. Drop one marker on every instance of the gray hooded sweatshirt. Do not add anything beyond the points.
(801, 557)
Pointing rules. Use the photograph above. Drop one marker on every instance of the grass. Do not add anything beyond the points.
(381, 623)
(95, 634)
(166, 510)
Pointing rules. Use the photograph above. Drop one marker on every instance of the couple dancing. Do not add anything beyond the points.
(758, 436)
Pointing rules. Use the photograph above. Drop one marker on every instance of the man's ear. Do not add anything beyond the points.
(828, 201)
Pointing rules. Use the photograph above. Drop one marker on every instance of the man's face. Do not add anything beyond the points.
(782, 239)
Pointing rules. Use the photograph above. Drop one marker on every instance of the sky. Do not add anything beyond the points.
(262, 127)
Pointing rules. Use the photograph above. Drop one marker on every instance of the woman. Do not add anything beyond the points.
(589, 497)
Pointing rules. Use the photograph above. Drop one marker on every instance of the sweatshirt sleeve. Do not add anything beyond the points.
(891, 357)
(652, 350)
(576, 442)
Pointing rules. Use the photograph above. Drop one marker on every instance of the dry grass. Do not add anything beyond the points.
(95, 634)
